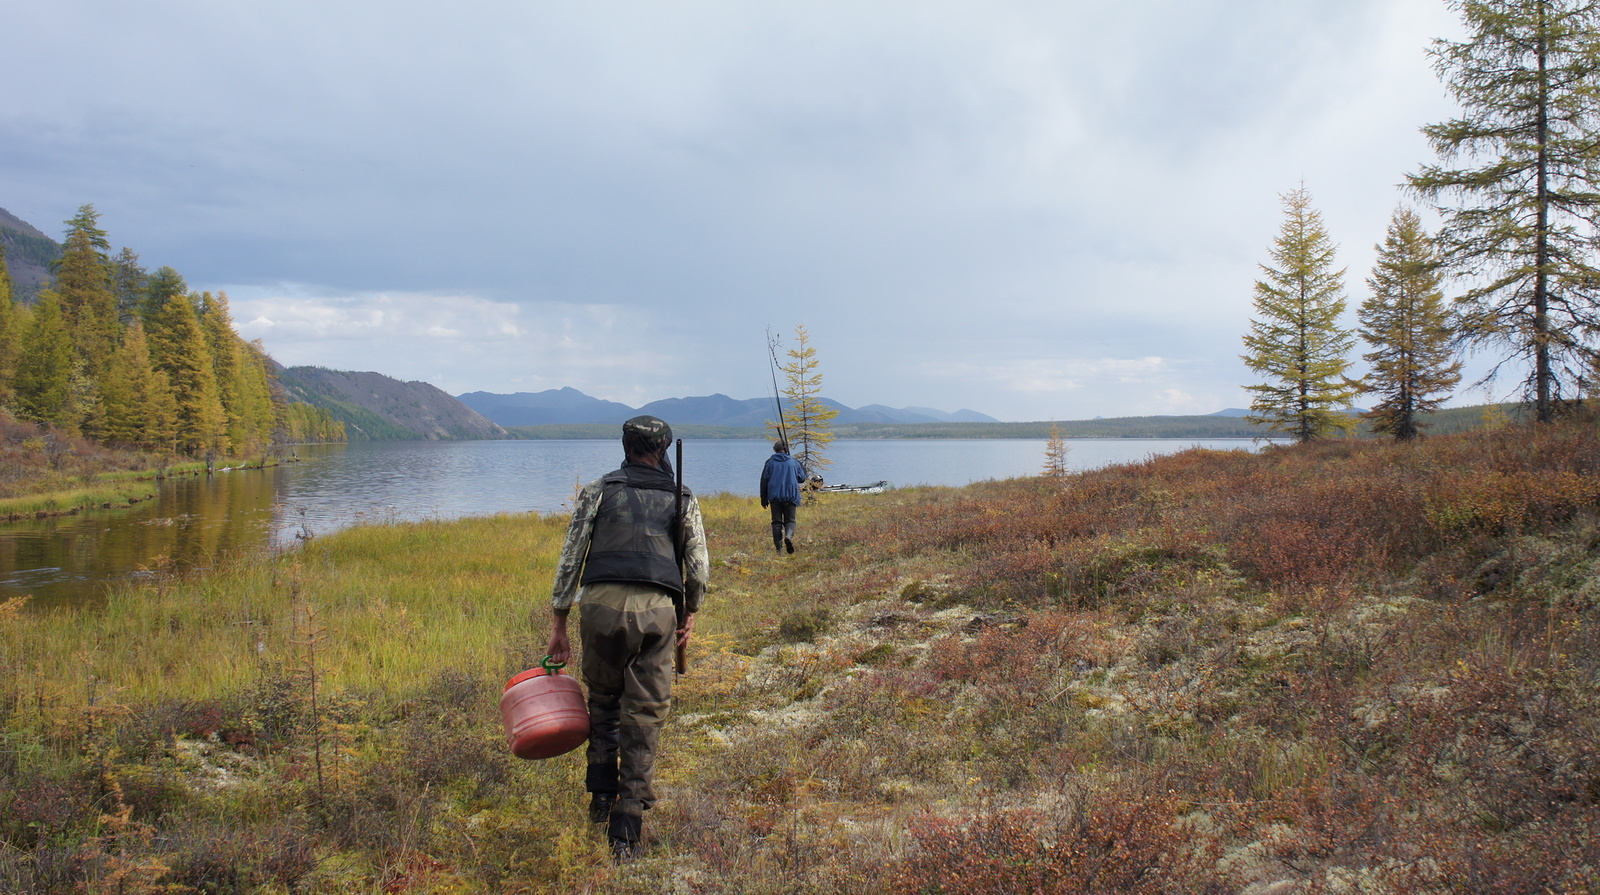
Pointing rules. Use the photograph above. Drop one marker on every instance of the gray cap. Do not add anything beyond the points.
(650, 428)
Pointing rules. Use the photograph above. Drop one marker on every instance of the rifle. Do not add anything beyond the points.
(680, 657)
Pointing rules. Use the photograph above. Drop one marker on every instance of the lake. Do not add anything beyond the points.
(195, 520)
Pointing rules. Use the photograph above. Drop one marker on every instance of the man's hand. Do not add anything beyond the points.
(686, 630)
(560, 648)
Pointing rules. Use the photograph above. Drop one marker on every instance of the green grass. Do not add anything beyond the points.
(107, 494)
(389, 604)
(65, 494)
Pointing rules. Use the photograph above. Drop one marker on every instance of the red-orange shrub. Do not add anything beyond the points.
(1111, 844)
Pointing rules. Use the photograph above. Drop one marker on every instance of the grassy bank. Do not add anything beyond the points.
(66, 493)
(45, 473)
(1353, 667)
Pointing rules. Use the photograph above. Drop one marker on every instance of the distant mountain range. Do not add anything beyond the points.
(375, 407)
(568, 406)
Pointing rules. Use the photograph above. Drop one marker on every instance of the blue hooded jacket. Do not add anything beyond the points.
(780, 479)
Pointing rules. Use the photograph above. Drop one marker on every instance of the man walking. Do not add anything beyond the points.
(780, 489)
(622, 549)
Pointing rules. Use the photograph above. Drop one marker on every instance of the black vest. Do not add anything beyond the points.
(633, 530)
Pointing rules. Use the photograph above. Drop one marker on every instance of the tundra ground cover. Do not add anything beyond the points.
(1346, 667)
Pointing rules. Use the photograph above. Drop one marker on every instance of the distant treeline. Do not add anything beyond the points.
(125, 357)
(309, 424)
(1458, 419)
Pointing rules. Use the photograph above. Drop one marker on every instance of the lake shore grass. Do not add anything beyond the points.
(64, 494)
(65, 502)
(1342, 667)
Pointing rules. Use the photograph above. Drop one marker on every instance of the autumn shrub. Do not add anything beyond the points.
(271, 711)
(35, 458)
(1093, 843)
(211, 855)
(804, 625)
(441, 742)
(1559, 857)
(41, 870)
(1325, 515)
(42, 810)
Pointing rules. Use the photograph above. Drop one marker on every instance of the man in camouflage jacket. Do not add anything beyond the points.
(621, 558)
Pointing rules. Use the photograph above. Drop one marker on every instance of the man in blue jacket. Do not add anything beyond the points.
(780, 489)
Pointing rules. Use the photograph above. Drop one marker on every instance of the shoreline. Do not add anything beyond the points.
(111, 491)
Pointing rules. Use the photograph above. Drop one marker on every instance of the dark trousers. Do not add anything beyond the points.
(783, 519)
(628, 635)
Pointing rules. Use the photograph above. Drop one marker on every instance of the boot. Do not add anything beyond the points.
(626, 835)
(601, 782)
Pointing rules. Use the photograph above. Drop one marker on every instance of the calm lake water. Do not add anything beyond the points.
(194, 521)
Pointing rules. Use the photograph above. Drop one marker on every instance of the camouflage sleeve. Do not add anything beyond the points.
(576, 548)
(697, 559)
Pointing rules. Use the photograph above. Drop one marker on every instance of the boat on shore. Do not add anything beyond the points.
(874, 488)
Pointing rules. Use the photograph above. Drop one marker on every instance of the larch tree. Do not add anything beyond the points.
(1407, 323)
(260, 402)
(1517, 186)
(128, 283)
(1295, 341)
(216, 321)
(87, 221)
(178, 349)
(159, 288)
(1055, 454)
(139, 407)
(808, 420)
(242, 380)
(10, 329)
(83, 281)
(43, 381)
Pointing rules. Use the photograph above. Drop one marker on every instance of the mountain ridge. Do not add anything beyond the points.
(375, 407)
(568, 406)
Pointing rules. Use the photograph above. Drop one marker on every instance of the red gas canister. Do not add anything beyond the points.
(544, 712)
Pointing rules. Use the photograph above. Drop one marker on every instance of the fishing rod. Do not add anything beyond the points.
(772, 351)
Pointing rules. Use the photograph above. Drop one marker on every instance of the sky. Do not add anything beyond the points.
(1035, 210)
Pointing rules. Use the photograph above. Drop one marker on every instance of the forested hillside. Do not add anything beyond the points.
(374, 407)
(131, 358)
(28, 253)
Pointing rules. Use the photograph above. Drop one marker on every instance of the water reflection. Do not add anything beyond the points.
(192, 521)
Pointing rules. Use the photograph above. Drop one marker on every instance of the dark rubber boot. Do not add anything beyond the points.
(626, 834)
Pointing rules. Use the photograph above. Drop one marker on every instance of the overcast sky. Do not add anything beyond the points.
(1037, 210)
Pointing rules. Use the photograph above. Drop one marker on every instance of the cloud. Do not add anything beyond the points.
(623, 196)
(450, 341)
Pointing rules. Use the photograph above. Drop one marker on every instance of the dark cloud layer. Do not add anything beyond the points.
(1032, 209)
